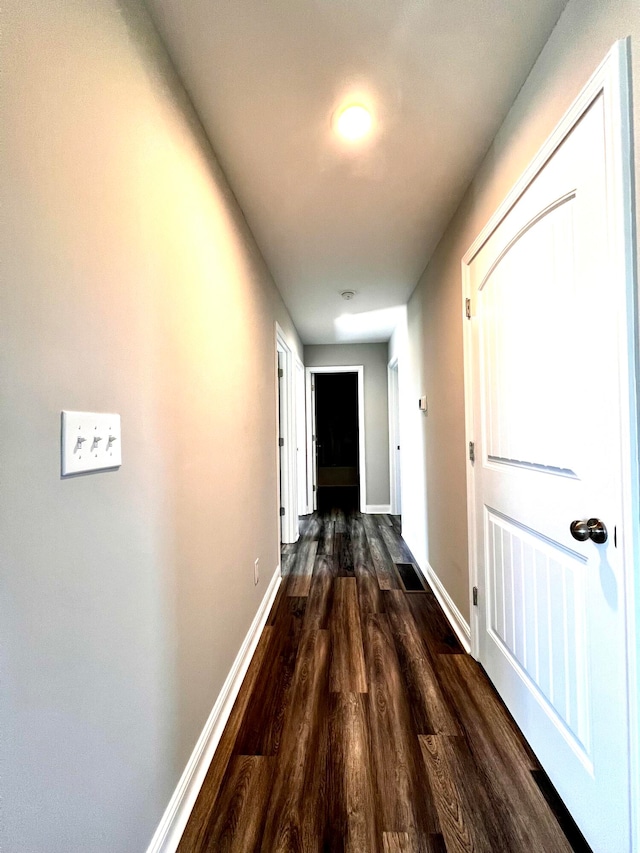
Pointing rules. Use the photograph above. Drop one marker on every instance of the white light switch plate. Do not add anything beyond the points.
(90, 442)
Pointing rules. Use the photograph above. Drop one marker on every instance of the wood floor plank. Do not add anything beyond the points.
(382, 562)
(343, 554)
(359, 549)
(392, 542)
(292, 814)
(340, 521)
(327, 538)
(433, 624)
(302, 571)
(348, 670)
(261, 728)
(320, 599)
(286, 562)
(491, 827)
(461, 833)
(369, 592)
(396, 842)
(428, 706)
(354, 813)
(482, 714)
(241, 808)
(202, 812)
(412, 842)
(370, 598)
(499, 759)
(312, 529)
(403, 793)
(398, 551)
(286, 605)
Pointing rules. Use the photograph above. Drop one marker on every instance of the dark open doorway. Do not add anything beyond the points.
(337, 454)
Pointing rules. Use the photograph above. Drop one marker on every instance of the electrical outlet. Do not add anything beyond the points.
(256, 572)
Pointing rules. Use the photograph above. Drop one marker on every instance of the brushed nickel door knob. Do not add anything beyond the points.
(579, 530)
(593, 529)
(597, 531)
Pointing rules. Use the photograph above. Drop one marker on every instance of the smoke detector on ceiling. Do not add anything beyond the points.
(348, 294)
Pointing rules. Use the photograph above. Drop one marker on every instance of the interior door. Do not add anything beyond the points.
(281, 440)
(313, 452)
(301, 449)
(394, 437)
(547, 427)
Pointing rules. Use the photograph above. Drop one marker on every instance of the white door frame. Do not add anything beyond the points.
(611, 80)
(288, 493)
(394, 435)
(312, 496)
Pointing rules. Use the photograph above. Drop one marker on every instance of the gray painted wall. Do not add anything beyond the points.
(130, 283)
(582, 37)
(376, 412)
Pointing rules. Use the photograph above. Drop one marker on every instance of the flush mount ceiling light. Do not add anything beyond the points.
(353, 122)
(348, 294)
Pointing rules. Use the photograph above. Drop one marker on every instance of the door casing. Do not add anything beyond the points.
(287, 493)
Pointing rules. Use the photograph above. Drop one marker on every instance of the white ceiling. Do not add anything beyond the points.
(266, 77)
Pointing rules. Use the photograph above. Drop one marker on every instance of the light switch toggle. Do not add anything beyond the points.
(112, 438)
(96, 441)
(81, 440)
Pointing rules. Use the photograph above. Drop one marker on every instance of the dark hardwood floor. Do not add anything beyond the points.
(362, 726)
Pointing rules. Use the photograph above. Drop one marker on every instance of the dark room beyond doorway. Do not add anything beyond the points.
(337, 457)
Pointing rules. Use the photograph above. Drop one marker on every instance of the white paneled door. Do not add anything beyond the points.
(547, 429)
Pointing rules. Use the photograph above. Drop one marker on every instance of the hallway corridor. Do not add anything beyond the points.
(363, 726)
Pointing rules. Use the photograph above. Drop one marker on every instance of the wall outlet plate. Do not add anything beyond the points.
(90, 441)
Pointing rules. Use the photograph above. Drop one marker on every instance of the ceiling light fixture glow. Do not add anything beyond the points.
(354, 122)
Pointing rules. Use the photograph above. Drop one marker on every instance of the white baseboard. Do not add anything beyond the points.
(377, 509)
(456, 619)
(169, 832)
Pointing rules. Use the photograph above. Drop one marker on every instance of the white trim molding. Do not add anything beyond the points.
(455, 618)
(377, 509)
(169, 832)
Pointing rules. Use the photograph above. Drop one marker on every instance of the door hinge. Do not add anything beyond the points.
(472, 451)
(475, 596)
(314, 488)
(280, 373)
(281, 442)
(467, 303)
(281, 510)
